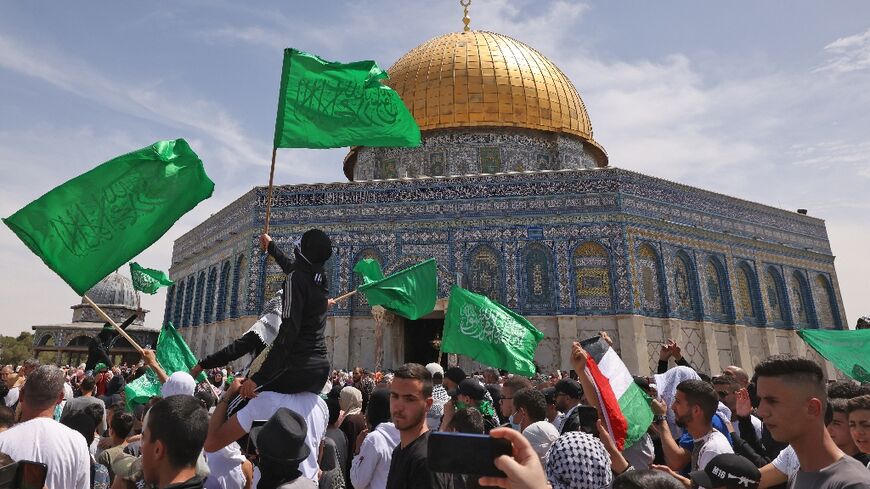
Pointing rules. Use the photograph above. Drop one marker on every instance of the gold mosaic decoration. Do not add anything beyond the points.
(478, 78)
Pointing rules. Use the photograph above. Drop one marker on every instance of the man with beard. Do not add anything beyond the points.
(410, 399)
(694, 404)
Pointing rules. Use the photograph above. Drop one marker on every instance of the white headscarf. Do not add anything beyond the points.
(666, 385)
(179, 383)
(541, 435)
(350, 400)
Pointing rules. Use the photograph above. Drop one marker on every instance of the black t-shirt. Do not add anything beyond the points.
(408, 468)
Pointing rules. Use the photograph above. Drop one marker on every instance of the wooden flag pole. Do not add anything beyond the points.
(113, 323)
(269, 196)
(345, 296)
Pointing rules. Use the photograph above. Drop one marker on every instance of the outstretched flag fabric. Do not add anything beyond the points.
(369, 269)
(410, 292)
(627, 413)
(173, 355)
(489, 332)
(148, 280)
(91, 225)
(324, 104)
(848, 350)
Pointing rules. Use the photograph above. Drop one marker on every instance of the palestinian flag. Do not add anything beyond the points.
(627, 414)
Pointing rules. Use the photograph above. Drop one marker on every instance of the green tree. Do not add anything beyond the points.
(14, 350)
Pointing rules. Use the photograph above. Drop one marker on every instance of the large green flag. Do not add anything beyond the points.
(410, 293)
(848, 350)
(324, 104)
(489, 332)
(148, 280)
(369, 269)
(91, 225)
(173, 355)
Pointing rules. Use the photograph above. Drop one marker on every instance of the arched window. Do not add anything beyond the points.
(592, 277)
(209, 296)
(826, 308)
(236, 290)
(538, 286)
(170, 302)
(800, 297)
(685, 287)
(188, 301)
(777, 311)
(649, 280)
(179, 304)
(358, 302)
(714, 282)
(485, 273)
(222, 292)
(747, 290)
(197, 302)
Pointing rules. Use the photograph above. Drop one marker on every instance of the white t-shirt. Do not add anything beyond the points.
(309, 405)
(712, 444)
(787, 461)
(11, 397)
(62, 449)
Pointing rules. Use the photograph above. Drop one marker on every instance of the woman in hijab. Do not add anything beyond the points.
(354, 422)
(578, 460)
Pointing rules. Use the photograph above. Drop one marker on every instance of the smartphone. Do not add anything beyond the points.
(23, 475)
(466, 453)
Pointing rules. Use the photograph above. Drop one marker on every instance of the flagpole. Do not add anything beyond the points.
(345, 296)
(269, 196)
(113, 323)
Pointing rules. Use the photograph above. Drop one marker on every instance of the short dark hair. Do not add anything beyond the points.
(32, 363)
(88, 384)
(728, 380)
(44, 387)
(181, 424)
(468, 420)
(858, 403)
(415, 371)
(7, 417)
(844, 389)
(122, 424)
(838, 405)
(794, 369)
(334, 410)
(701, 394)
(516, 383)
(646, 479)
(533, 401)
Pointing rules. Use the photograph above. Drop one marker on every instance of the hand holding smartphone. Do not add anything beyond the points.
(466, 453)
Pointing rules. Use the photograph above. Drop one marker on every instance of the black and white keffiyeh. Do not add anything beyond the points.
(578, 460)
(269, 324)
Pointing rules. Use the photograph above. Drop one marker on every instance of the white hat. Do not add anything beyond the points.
(179, 383)
(435, 368)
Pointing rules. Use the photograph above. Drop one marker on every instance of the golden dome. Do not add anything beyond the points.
(478, 78)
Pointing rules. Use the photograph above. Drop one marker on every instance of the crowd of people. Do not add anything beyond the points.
(290, 421)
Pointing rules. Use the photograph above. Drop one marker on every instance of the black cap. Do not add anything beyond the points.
(455, 374)
(471, 388)
(727, 470)
(570, 387)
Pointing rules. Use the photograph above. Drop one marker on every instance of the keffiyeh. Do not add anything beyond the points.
(578, 460)
(267, 327)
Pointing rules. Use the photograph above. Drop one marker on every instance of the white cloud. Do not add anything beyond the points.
(850, 53)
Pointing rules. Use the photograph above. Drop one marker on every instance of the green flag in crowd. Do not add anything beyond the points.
(848, 350)
(489, 332)
(148, 280)
(91, 225)
(369, 269)
(410, 293)
(324, 104)
(173, 355)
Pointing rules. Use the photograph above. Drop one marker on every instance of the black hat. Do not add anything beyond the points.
(455, 374)
(471, 388)
(282, 438)
(315, 246)
(727, 470)
(570, 387)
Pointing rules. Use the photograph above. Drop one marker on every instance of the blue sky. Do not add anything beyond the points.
(766, 101)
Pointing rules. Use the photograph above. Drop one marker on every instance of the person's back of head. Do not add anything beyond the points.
(700, 393)
(173, 435)
(532, 403)
(83, 421)
(843, 389)
(646, 479)
(122, 424)
(29, 366)
(379, 408)
(334, 408)
(44, 389)
(88, 384)
(468, 420)
(7, 417)
(516, 383)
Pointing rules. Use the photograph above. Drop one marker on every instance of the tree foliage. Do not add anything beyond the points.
(14, 350)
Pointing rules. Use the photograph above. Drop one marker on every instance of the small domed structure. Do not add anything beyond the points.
(116, 290)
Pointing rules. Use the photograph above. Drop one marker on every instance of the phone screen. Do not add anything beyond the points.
(464, 453)
(31, 475)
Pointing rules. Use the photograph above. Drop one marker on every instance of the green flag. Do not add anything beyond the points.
(148, 280)
(173, 355)
(489, 332)
(369, 269)
(324, 104)
(91, 225)
(410, 293)
(848, 350)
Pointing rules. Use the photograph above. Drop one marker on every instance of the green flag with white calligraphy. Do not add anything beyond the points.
(489, 332)
(148, 280)
(324, 104)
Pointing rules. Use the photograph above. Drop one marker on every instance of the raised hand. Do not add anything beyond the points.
(743, 405)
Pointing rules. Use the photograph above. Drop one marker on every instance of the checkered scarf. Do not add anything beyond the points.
(578, 460)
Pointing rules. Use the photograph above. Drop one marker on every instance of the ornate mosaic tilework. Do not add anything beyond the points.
(715, 287)
(208, 309)
(485, 273)
(538, 289)
(236, 290)
(649, 283)
(774, 298)
(220, 313)
(746, 287)
(179, 304)
(436, 166)
(170, 302)
(684, 288)
(592, 277)
(799, 295)
(693, 349)
(188, 301)
(824, 307)
(490, 160)
(197, 300)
